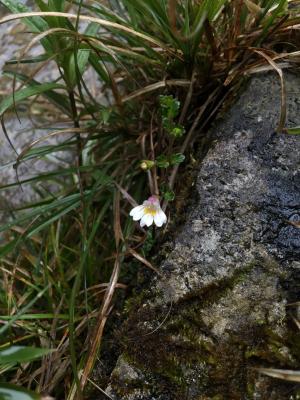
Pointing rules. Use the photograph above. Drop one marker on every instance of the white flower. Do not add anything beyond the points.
(149, 212)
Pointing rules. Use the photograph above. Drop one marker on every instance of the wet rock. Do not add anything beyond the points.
(220, 309)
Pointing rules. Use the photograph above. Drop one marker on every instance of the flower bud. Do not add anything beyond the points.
(146, 164)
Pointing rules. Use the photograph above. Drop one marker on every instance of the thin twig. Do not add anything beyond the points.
(103, 315)
(99, 388)
(154, 169)
(187, 99)
(149, 175)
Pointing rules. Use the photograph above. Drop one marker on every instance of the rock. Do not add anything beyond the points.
(23, 129)
(33, 122)
(220, 309)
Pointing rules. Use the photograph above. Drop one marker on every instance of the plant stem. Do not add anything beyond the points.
(76, 125)
(77, 282)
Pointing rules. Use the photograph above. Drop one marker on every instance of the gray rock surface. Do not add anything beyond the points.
(30, 124)
(220, 309)
(33, 121)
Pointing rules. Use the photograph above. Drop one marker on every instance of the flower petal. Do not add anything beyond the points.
(137, 212)
(146, 220)
(160, 218)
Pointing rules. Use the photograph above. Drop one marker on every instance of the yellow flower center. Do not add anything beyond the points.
(150, 210)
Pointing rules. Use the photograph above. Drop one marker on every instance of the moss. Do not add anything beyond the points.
(250, 390)
(183, 351)
(133, 303)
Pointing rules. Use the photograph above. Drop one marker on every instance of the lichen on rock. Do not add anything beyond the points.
(220, 310)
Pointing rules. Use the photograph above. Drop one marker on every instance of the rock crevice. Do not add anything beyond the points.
(227, 281)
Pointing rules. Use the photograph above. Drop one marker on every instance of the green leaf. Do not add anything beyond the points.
(293, 131)
(268, 22)
(177, 131)
(58, 99)
(52, 218)
(54, 22)
(22, 311)
(169, 110)
(78, 62)
(162, 161)
(213, 8)
(13, 392)
(36, 316)
(42, 209)
(169, 106)
(20, 354)
(23, 94)
(42, 6)
(57, 5)
(8, 247)
(29, 60)
(148, 243)
(96, 63)
(177, 158)
(105, 115)
(169, 195)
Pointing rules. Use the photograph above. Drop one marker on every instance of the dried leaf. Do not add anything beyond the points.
(144, 261)
(283, 91)
(285, 374)
(296, 224)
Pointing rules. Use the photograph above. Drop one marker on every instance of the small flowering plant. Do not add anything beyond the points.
(149, 212)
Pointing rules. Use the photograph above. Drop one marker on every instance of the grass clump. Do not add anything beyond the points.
(161, 71)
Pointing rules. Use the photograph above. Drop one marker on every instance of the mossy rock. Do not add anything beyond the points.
(220, 310)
